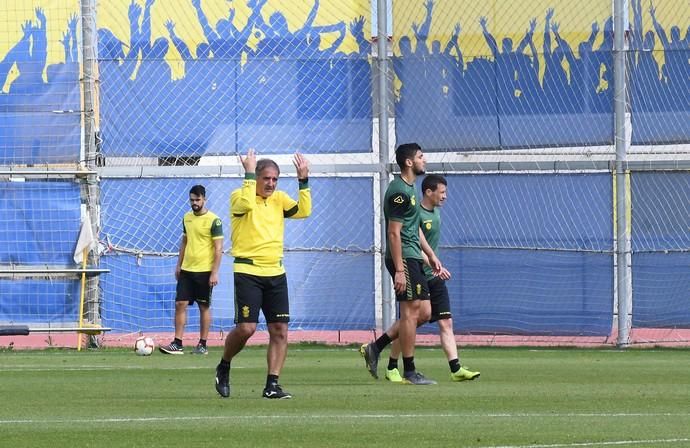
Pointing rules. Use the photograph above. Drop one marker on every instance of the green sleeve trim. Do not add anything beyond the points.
(216, 228)
(291, 212)
(303, 183)
(249, 176)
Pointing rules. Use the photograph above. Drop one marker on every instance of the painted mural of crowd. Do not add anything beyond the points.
(287, 76)
(40, 119)
(507, 81)
(30, 55)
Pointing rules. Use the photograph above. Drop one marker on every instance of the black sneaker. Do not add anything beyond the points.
(277, 392)
(417, 379)
(200, 350)
(171, 349)
(371, 358)
(223, 381)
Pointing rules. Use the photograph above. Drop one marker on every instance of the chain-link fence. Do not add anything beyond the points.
(517, 103)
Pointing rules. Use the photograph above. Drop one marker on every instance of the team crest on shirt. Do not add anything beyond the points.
(245, 311)
(419, 289)
(412, 200)
(427, 225)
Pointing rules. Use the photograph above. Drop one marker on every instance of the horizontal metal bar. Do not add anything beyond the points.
(43, 172)
(89, 330)
(368, 169)
(50, 271)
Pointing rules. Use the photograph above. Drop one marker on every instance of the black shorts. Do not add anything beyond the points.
(194, 287)
(417, 287)
(440, 300)
(268, 294)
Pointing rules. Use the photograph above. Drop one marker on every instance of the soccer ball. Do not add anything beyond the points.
(144, 346)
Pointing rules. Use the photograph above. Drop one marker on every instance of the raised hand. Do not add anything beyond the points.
(65, 39)
(72, 24)
(249, 161)
(549, 13)
(27, 28)
(40, 15)
(429, 5)
(196, 4)
(532, 25)
(134, 12)
(456, 30)
(357, 26)
(301, 165)
(170, 26)
(483, 21)
(555, 27)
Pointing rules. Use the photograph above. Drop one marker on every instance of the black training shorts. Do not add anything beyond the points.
(417, 287)
(268, 294)
(194, 287)
(440, 300)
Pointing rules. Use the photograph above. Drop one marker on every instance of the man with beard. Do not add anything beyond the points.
(434, 193)
(405, 263)
(197, 269)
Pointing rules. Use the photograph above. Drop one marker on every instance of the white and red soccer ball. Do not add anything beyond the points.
(144, 346)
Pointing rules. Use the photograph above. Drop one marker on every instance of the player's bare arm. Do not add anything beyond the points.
(434, 262)
(395, 242)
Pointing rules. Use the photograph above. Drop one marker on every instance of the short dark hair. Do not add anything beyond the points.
(406, 151)
(198, 190)
(262, 164)
(432, 181)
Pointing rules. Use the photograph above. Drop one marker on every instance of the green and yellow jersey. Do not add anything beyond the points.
(258, 226)
(400, 205)
(200, 231)
(430, 221)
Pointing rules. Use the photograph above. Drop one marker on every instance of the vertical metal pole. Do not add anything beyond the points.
(384, 171)
(623, 280)
(90, 184)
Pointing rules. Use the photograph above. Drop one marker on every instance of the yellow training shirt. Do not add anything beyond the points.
(200, 231)
(258, 226)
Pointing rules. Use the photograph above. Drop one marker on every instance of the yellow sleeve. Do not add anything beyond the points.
(300, 209)
(243, 199)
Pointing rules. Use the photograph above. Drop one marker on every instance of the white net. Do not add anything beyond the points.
(514, 103)
(143, 241)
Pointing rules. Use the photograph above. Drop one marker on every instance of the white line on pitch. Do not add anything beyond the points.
(326, 416)
(91, 368)
(587, 444)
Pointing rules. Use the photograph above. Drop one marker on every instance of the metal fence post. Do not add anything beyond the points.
(623, 280)
(384, 170)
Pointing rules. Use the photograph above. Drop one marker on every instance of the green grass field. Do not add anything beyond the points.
(524, 398)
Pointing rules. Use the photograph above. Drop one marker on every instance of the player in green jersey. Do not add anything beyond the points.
(434, 193)
(404, 260)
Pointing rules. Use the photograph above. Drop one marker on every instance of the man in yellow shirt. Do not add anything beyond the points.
(201, 251)
(258, 211)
